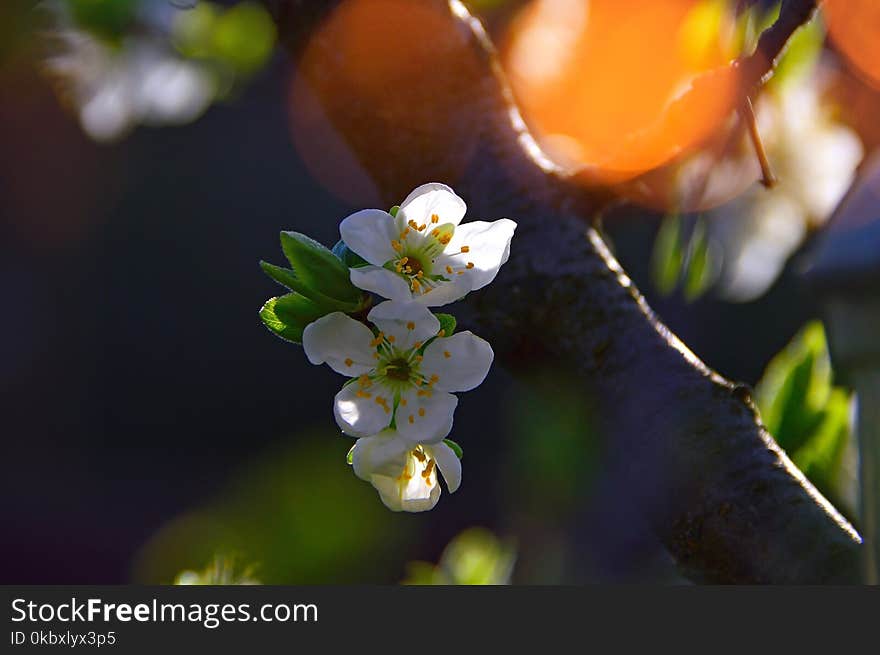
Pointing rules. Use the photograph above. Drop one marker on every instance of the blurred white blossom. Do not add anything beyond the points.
(815, 160)
(139, 82)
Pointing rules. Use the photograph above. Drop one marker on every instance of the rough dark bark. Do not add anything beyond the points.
(726, 502)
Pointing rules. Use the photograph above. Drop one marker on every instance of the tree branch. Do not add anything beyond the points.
(688, 444)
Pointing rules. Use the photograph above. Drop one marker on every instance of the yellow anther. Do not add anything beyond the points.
(413, 224)
(419, 455)
(421, 411)
(422, 227)
(435, 378)
(348, 361)
(435, 218)
(420, 274)
(364, 381)
(412, 419)
(445, 239)
(465, 248)
(417, 344)
(403, 402)
(396, 245)
(391, 338)
(446, 354)
(470, 265)
(435, 232)
(449, 270)
(441, 333)
(363, 394)
(418, 358)
(428, 470)
(410, 326)
(460, 273)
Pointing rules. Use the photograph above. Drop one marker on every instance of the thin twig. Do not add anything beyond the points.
(747, 112)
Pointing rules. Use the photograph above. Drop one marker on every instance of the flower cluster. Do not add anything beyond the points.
(404, 363)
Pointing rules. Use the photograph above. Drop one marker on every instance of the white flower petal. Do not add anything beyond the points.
(448, 463)
(407, 322)
(362, 415)
(429, 199)
(414, 497)
(426, 418)
(448, 292)
(369, 233)
(383, 454)
(460, 362)
(488, 248)
(341, 342)
(382, 282)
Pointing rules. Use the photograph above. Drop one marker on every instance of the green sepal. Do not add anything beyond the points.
(287, 316)
(349, 458)
(393, 211)
(455, 448)
(318, 268)
(447, 323)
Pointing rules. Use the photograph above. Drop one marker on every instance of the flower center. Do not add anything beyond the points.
(398, 369)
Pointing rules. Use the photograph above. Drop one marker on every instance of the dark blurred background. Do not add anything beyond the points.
(149, 420)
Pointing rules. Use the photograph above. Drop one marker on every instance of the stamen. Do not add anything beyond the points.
(465, 248)
(421, 411)
(396, 245)
(449, 270)
(428, 470)
(363, 394)
(412, 419)
(403, 402)
(446, 354)
(410, 326)
(435, 218)
(390, 338)
(470, 265)
(419, 455)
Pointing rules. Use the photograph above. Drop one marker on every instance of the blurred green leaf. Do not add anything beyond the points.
(474, 557)
(318, 268)
(668, 256)
(806, 414)
(287, 316)
(244, 37)
(447, 323)
(295, 511)
(109, 19)
(288, 278)
(700, 266)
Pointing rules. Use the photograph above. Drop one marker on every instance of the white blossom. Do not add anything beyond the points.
(405, 475)
(403, 375)
(424, 253)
